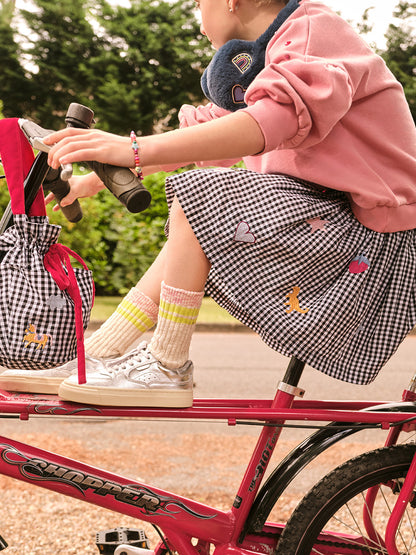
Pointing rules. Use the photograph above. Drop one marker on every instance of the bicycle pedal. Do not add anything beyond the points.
(129, 550)
(108, 541)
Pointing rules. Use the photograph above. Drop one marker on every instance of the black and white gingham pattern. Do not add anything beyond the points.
(290, 261)
(30, 297)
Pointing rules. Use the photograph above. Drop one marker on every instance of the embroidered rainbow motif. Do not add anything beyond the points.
(242, 61)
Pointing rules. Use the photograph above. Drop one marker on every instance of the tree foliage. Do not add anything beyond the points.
(154, 55)
(133, 66)
(60, 44)
(400, 54)
(15, 90)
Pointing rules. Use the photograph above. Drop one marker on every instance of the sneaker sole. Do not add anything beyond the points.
(114, 397)
(31, 384)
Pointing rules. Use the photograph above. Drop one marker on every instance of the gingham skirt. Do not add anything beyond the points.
(290, 261)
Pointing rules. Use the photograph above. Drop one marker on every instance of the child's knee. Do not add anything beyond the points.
(177, 215)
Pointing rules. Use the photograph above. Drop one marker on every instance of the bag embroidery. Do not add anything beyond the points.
(55, 301)
(39, 339)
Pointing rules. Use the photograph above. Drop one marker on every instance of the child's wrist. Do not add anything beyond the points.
(135, 147)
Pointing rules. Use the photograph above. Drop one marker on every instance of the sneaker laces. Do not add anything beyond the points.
(130, 360)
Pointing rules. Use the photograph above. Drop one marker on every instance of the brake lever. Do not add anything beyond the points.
(35, 135)
(55, 181)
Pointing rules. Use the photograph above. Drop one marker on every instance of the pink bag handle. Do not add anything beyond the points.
(54, 260)
(17, 158)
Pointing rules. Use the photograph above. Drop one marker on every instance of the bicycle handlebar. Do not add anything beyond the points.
(121, 182)
(124, 185)
(55, 181)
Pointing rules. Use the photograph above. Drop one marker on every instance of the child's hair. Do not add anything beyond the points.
(268, 2)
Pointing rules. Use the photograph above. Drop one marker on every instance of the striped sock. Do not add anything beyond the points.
(178, 312)
(135, 315)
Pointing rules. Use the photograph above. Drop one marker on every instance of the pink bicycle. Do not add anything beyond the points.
(365, 506)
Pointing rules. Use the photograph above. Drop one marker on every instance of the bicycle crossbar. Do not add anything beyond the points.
(26, 405)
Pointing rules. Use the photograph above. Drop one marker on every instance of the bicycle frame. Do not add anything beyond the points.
(183, 519)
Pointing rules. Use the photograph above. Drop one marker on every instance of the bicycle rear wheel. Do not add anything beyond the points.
(337, 505)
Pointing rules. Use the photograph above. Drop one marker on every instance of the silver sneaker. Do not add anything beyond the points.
(135, 380)
(47, 381)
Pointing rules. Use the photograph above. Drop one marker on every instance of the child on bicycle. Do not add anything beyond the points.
(312, 246)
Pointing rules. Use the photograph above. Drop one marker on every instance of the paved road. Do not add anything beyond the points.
(240, 364)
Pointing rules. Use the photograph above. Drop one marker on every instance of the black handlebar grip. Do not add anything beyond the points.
(60, 189)
(122, 182)
(124, 185)
(79, 116)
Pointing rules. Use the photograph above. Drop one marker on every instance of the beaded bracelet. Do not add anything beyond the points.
(135, 148)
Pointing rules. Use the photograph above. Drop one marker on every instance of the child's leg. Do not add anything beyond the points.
(186, 266)
(136, 314)
(160, 375)
(138, 311)
(185, 274)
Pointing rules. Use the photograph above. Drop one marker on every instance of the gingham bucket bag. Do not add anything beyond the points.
(45, 303)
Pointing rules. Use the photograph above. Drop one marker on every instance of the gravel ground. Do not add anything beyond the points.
(204, 461)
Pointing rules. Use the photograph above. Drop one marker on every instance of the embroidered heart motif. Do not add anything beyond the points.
(238, 94)
(243, 233)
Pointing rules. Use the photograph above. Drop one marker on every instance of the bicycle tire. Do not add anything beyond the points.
(329, 498)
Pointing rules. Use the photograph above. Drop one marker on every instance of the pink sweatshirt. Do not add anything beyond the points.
(332, 113)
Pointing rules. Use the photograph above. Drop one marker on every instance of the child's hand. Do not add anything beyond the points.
(81, 187)
(81, 145)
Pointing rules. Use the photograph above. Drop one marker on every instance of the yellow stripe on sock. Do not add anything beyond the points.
(178, 314)
(176, 319)
(135, 310)
(135, 316)
(178, 309)
(134, 321)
